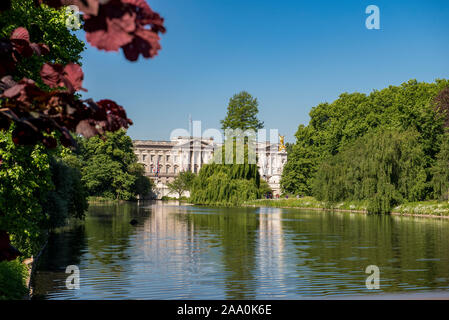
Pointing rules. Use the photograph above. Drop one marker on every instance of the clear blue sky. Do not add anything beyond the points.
(290, 54)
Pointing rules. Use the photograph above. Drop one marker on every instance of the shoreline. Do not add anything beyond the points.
(254, 204)
(31, 264)
(393, 213)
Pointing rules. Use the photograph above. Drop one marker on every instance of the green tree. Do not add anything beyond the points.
(182, 183)
(335, 125)
(110, 167)
(440, 171)
(264, 188)
(242, 113)
(68, 197)
(386, 168)
(299, 170)
(45, 25)
(26, 181)
(142, 185)
(226, 184)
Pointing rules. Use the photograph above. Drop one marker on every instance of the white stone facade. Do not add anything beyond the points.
(164, 160)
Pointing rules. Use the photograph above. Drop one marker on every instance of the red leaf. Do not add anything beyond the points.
(55, 75)
(73, 76)
(145, 42)
(14, 91)
(86, 128)
(146, 16)
(123, 24)
(40, 49)
(111, 29)
(20, 34)
(20, 39)
(6, 82)
(51, 74)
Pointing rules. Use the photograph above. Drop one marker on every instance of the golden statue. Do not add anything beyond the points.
(282, 146)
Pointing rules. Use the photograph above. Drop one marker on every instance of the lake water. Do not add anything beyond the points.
(189, 252)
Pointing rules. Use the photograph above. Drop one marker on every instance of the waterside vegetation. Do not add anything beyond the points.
(432, 208)
(387, 148)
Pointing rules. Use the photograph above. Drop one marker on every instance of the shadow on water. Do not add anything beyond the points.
(187, 252)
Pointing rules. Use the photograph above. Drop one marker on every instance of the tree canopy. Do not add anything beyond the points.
(183, 182)
(242, 113)
(110, 168)
(333, 126)
(386, 167)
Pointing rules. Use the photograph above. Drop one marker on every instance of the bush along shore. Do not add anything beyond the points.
(436, 209)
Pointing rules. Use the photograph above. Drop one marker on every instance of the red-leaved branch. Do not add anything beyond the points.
(110, 25)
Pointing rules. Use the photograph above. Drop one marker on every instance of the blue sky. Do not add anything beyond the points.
(290, 54)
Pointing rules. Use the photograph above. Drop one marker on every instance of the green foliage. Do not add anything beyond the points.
(39, 190)
(45, 25)
(25, 180)
(242, 113)
(440, 171)
(110, 168)
(386, 168)
(299, 170)
(226, 184)
(68, 197)
(333, 126)
(36, 190)
(142, 184)
(12, 280)
(264, 188)
(183, 182)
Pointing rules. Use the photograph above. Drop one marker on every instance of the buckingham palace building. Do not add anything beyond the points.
(164, 160)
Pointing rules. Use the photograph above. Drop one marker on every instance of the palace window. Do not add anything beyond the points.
(144, 157)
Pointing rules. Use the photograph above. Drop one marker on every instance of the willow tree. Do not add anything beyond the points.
(440, 171)
(222, 183)
(226, 184)
(386, 168)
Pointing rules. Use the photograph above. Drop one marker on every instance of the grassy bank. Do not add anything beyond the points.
(92, 199)
(307, 203)
(423, 208)
(166, 198)
(13, 277)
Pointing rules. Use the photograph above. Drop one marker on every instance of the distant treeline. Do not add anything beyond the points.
(388, 147)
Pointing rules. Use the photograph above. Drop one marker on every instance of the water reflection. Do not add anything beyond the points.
(187, 252)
